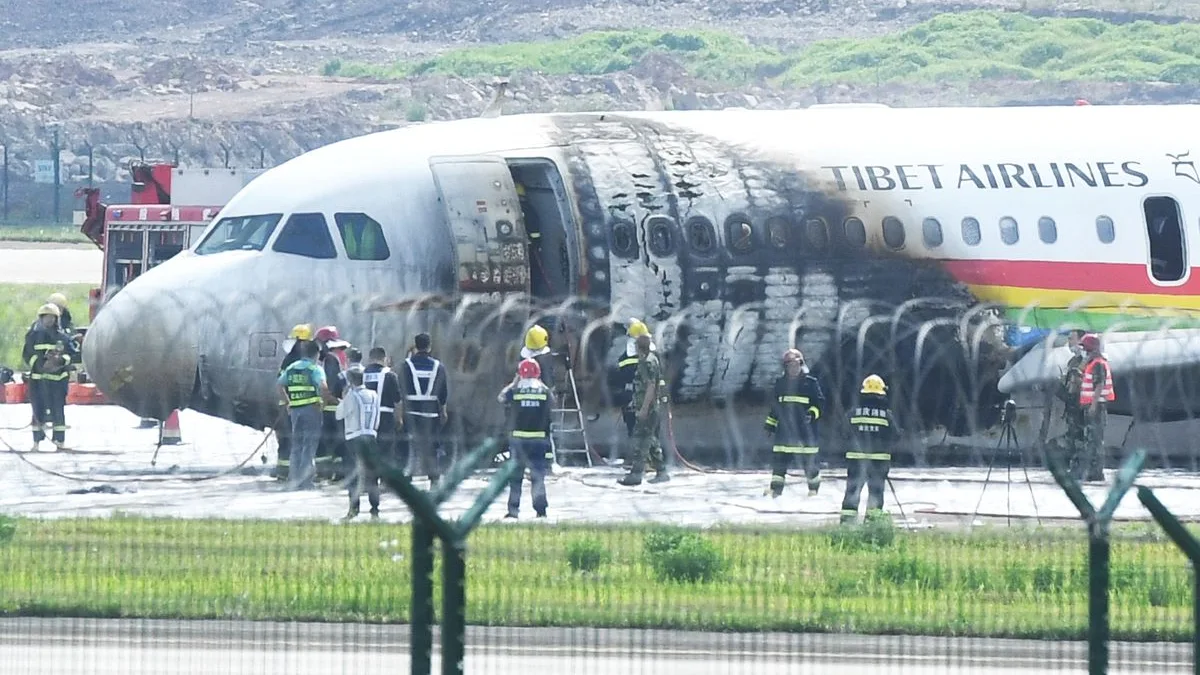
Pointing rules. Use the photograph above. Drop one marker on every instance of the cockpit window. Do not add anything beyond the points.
(306, 234)
(362, 236)
(239, 233)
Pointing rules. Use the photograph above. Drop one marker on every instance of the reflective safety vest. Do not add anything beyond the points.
(532, 412)
(373, 380)
(1087, 388)
(871, 425)
(301, 385)
(423, 396)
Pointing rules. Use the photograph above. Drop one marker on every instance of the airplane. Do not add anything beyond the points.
(943, 248)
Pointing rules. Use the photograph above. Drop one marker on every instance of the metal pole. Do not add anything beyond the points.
(454, 607)
(5, 182)
(57, 178)
(1098, 631)
(1195, 619)
(91, 164)
(422, 598)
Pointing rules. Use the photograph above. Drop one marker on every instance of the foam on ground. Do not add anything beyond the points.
(199, 479)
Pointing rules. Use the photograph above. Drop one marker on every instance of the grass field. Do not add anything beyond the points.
(68, 234)
(18, 309)
(959, 47)
(987, 584)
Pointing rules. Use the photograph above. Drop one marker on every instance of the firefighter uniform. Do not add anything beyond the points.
(873, 432)
(302, 380)
(299, 334)
(620, 386)
(383, 381)
(425, 394)
(49, 353)
(646, 446)
(1096, 418)
(529, 440)
(796, 406)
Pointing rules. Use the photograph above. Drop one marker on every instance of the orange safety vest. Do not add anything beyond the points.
(1087, 388)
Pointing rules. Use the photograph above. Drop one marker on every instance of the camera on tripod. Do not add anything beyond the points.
(1009, 414)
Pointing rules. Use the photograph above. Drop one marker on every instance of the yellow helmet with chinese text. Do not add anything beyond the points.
(536, 338)
(301, 331)
(874, 384)
(49, 308)
(637, 329)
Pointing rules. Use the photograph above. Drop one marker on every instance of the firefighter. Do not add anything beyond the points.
(795, 408)
(298, 336)
(649, 394)
(620, 380)
(537, 347)
(49, 353)
(1093, 400)
(1073, 412)
(305, 391)
(426, 390)
(383, 381)
(359, 411)
(333, 446)
(64, 317)
(873, 432)
(532, 402)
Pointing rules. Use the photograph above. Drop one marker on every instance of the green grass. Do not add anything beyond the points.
(49, 233)
(18, 310)
(958, 47)
(995, 583)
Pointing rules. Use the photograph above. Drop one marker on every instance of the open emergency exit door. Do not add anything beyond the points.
(484, 216)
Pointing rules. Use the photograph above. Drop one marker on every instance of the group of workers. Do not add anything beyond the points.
(1086, 390)
(51, 352)
(339, 409)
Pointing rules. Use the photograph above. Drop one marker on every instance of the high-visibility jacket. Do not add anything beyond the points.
(424, 401)
(39, 344)
(531, 410)
(872, 428)
(1087, 388)
(794, 412)
(303, 384)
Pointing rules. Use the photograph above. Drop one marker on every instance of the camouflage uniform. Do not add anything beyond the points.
(646, 447)
(1073, 414)
(1092, 458)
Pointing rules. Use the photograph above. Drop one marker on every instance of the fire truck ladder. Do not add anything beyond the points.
(567, 433)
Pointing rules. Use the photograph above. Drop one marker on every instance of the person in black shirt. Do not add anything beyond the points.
(381, 380)
(426, 391)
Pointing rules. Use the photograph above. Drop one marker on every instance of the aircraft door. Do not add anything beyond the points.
(482, 211)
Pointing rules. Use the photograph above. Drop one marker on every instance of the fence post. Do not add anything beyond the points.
(1099, 548)
(1190, 547)
(426, 525)
(5, 182)
(57, 177)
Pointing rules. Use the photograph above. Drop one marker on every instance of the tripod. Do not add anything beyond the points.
(1008, 439)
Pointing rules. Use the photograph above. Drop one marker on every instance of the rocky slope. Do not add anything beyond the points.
(211, 82)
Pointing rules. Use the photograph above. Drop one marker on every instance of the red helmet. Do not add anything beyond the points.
(529, 369)
(327, 333)
(1090, 342)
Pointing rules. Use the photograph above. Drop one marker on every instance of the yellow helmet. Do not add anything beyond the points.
(49, 308)
(301, 331)
(58, 299)
(873, 384)
(637, 329)
(536, 338)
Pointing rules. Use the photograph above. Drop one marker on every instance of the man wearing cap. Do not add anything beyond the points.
(1095, 393)
(649, 393)
(49, 353)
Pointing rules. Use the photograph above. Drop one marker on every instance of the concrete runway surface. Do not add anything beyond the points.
(49, 263)
(158, 647)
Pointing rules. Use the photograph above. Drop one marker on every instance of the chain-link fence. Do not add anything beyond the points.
(978, 561)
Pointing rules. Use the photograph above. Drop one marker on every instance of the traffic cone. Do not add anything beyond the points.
(168, 432)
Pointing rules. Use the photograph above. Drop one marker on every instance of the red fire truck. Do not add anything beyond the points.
(170, 208)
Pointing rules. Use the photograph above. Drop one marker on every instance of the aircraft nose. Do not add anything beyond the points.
(139, 354)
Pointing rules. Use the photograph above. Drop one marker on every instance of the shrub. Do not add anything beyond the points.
(587, 554)
(678, 555)
(416, 112)
(8, 528)
(332, 67)
(877, 531)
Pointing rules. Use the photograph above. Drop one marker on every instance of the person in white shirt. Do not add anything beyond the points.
(359, 411)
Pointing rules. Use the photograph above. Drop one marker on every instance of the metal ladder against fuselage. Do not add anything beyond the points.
(568, 434)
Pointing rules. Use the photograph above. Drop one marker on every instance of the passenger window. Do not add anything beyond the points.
(1008, 230)
(931, 232)
(306, 234)
(701, 234)
(777, 231)
(818, 233)
(362, 236)
(856, 232)
(1047, 230)
(1105, 230)
(662, 236)
(972, 234)
(1168, 258)
(739, 233)
(893, 232)
(624, 239)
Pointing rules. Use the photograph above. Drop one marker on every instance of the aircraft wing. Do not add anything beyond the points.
(1126, 353)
